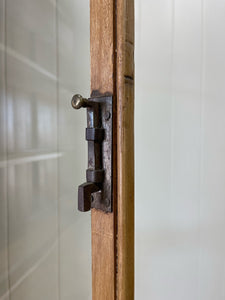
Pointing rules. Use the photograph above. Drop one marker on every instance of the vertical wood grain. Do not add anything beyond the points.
(112, 70)
(125, 150)
(102, 81)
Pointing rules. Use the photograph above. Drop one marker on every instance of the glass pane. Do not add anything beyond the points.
(180, 157)
(45, 244)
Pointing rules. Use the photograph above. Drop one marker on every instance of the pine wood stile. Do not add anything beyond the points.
(112, 71)
(125, 142)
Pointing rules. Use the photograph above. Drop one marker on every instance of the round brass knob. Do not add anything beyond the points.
(78, 101)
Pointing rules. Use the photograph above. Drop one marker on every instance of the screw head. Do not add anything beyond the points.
(107, 115)
(107, 202)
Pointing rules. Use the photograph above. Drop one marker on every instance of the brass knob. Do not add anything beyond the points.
(78, 101)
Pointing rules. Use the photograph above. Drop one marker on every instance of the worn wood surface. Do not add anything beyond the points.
(125, 150)
(112, 70)
(102, 81)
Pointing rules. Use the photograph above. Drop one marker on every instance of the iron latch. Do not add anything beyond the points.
(97, 191)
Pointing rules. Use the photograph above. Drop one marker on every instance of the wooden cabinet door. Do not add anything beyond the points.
(112, 70)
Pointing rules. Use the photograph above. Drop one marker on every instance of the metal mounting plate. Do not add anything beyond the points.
(103, 199)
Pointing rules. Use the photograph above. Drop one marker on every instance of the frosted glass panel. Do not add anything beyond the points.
(3, 171)
(45, 244)
(73, 72)
(180, 150)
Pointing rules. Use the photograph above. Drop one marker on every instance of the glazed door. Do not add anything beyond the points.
(45, 243)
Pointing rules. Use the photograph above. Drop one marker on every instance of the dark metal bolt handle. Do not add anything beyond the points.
(96, 192)
(84, 195)
(78, 101)
(94, 136)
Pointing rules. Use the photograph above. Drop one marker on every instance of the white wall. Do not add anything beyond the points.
(180, 149)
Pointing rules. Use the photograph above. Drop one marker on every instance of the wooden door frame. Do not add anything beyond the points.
(112, 71)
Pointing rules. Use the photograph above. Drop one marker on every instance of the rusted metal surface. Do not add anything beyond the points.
(96, 176)
(103, 198)
(97, 191)
(85, 191)
(95, 134)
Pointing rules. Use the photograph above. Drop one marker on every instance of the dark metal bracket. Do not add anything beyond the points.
(97, 191)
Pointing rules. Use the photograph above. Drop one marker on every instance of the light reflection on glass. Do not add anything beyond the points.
(42, 255)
